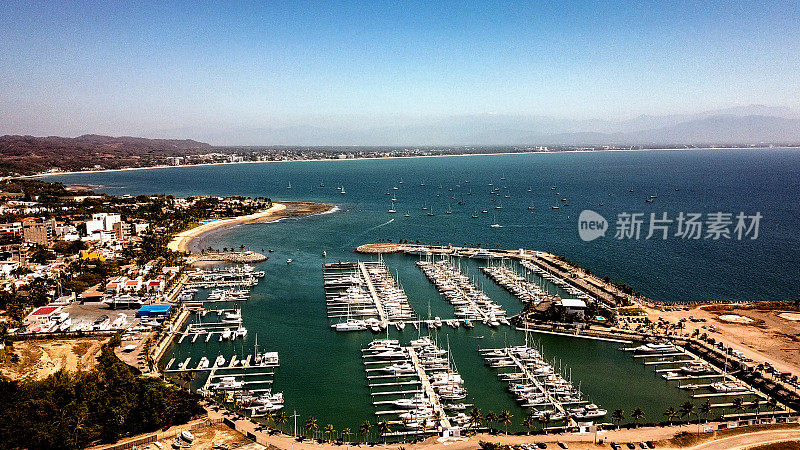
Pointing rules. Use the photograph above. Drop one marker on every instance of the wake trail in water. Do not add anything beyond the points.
(352, 241)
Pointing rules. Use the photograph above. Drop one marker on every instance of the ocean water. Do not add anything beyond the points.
(321, 373)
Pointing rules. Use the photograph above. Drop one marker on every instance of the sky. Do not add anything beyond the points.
(234, 72)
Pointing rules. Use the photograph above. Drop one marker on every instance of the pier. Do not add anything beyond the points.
(505, 277)
(426, 385)
(528, 386)
(421, 370)
(366, 294)
(371, 289)
(468, 300)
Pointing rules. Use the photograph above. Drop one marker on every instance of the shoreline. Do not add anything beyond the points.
(180, 242)
(128, 169)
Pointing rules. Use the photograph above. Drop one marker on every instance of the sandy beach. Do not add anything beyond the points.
(180, 242)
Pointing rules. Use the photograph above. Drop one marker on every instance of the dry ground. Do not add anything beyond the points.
(37, 359)
(769, 337)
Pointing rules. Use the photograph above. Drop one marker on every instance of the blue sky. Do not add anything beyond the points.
(70, 68)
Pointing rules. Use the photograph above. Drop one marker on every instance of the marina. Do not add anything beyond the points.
(470, 303)
(536, 384)
(526, 291)
(696, 369)
(436, 397)
(366, 295)
(235, 276)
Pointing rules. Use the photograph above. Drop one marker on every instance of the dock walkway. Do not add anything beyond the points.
(426, 386)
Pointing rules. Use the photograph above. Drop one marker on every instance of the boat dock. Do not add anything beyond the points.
(367, 293)
(541, 387)
(469, 301)
(220, 363)
(438, 410)
(692, 367)
(507, 278)
(414, 383)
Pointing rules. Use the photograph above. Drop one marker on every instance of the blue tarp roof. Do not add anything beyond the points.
(158, 308)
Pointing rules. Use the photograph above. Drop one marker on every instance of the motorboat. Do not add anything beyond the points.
(590, 411)
(728, 387)
(228, 383)
(657, 347)
(351, 325)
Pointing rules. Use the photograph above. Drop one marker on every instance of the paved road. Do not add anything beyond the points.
(745, 440)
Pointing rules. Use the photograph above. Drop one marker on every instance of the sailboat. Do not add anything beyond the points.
(391, 209)
(289, 186)
(406, 215)
(495, 224)
(342, 190)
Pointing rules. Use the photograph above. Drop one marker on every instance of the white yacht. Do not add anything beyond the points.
(658, 347)
(590, 411)
(728, 387)
(351, 325)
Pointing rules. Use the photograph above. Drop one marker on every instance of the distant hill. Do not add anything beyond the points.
(27, 155)
(713, 129)
(752, 124)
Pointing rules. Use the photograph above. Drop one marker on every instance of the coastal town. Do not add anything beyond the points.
(399, 225)
(93, 283)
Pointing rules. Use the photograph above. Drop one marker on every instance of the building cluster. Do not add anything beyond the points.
(100, 242)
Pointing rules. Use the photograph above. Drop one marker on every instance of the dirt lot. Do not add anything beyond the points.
(204, 439)
(769, 335)
(38, 359)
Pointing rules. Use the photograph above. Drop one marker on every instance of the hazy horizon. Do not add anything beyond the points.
(385, 73)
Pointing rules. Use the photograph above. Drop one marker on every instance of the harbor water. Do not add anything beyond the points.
(322, 374)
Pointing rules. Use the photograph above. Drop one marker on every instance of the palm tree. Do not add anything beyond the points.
(546, 416)
(347, 433)
(505, 418)
(475, 417)
(529, 422)
(281, 418)
(311, 425)
(670, 414)
(637, 414)
(364, 428)
(567, 418)
(491, 418)
(384, 429)
(438, 418)
(772, 404)
(738, 404)
(688, 410)
(426, 425)
(405, 421)
(269, 416)
(756, 405)
(705, 409)
(618, 416)
(329, 430)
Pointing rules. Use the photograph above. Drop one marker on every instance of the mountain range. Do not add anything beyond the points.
(745, 125)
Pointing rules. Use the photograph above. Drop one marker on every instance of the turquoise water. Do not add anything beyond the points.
(321, 372)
